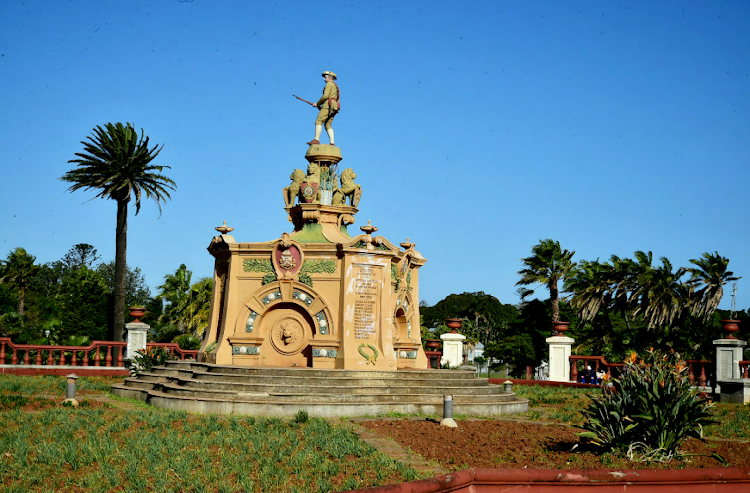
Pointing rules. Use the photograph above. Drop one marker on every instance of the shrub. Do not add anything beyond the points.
(649, 411)
(301, 416)
(187, 341)
(145, 359)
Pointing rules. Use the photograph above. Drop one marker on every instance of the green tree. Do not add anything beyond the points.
(174, 292)
(197, 306)
(708, 277)
(83, 305)
(548, 265)
(118, 163)
(137, 292)
(17, 270)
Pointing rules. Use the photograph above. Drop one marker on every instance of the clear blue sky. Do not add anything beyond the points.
(476, 128)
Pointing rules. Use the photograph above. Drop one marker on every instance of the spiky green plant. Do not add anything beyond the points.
(649, 411)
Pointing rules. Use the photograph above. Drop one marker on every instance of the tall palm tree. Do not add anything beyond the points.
(548, 265)
(710, 273)
(118, 163)
(17, 270)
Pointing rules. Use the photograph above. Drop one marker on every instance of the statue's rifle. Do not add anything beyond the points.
(305, 100)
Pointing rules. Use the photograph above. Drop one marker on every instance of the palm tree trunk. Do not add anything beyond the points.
(555, 304)
(21, 300)
(121, 247)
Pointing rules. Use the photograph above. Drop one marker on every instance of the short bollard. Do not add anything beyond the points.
(508, 386)
(70, 393)
(448, 412)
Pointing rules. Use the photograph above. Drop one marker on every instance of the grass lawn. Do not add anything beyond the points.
(110, 449)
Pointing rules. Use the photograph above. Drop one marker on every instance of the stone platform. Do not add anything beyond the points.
(209, 388)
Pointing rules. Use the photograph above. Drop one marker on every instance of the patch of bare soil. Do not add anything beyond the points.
(507, 444)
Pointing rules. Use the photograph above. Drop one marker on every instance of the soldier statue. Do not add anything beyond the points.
(328, 104)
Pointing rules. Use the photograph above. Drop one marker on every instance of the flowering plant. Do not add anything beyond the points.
(648, 411)
(145, 359)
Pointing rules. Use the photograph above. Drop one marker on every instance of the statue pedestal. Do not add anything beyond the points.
(136, 338)
(728, 357)
(453, 349)
(559, 358)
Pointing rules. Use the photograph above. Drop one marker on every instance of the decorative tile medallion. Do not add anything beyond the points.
(250, 321)
(408, 355)
(408, 329)
(275, 295)
(245, 350)
(322, 322)
(324, 353)
(303, 297)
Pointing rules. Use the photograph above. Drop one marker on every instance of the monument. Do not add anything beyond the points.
(319, 296)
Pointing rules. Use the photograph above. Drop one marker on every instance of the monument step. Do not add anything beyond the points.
(321, 409)
(172, 389)
(327, 381)
(314, 372)
(446, 388)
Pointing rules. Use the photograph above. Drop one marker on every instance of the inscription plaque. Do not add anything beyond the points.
(366, 296)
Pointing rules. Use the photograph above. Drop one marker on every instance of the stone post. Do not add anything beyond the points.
(559, 358)
(136, 332)
(728, 357)
(453, 349)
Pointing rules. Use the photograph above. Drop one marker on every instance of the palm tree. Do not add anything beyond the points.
(667, 295)
(175, 291)
(17, 270)
(548, 265)
(591, 285)
(711, 274)
(117, 163)
(197, 306)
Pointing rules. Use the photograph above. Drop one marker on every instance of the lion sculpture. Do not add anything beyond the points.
(291, 192)
(348, 189)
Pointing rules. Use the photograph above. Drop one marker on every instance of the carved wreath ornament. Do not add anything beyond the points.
(371, 358)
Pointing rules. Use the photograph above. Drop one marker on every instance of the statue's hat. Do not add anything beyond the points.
(332, 74)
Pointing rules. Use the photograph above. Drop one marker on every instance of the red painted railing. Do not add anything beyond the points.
(701, 371)
(597, 363)
(61, 355)
(24, 354)
(744, 368)
(175, 348)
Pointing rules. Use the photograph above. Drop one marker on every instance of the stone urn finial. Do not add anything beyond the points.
(137, 312)
(224, 229)
(730, 326)
(453, 324)
(559, 328)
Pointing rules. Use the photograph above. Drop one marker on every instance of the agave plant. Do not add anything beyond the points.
(649, 411)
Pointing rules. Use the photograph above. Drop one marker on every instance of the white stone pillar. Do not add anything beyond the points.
(135, 337)
(559, 354)
(728, 357)
(453, 349)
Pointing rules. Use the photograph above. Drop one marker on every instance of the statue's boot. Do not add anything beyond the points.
(316, 140)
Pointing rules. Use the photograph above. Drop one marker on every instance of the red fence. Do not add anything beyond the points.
(97, 352)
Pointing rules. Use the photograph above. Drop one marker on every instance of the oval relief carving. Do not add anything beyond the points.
(288, 335)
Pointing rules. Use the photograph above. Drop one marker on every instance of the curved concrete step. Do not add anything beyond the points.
(201, 387)
(172, 389)
(324, 409)
(337, 389)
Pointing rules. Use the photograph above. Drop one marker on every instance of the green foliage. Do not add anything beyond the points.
(187, 341)
(301, 416)
(649, 411)
(318, 267)
(145, 359)
(257, 265)
(82, 302)
(490, 318)
(137, 292)
(548, 265)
